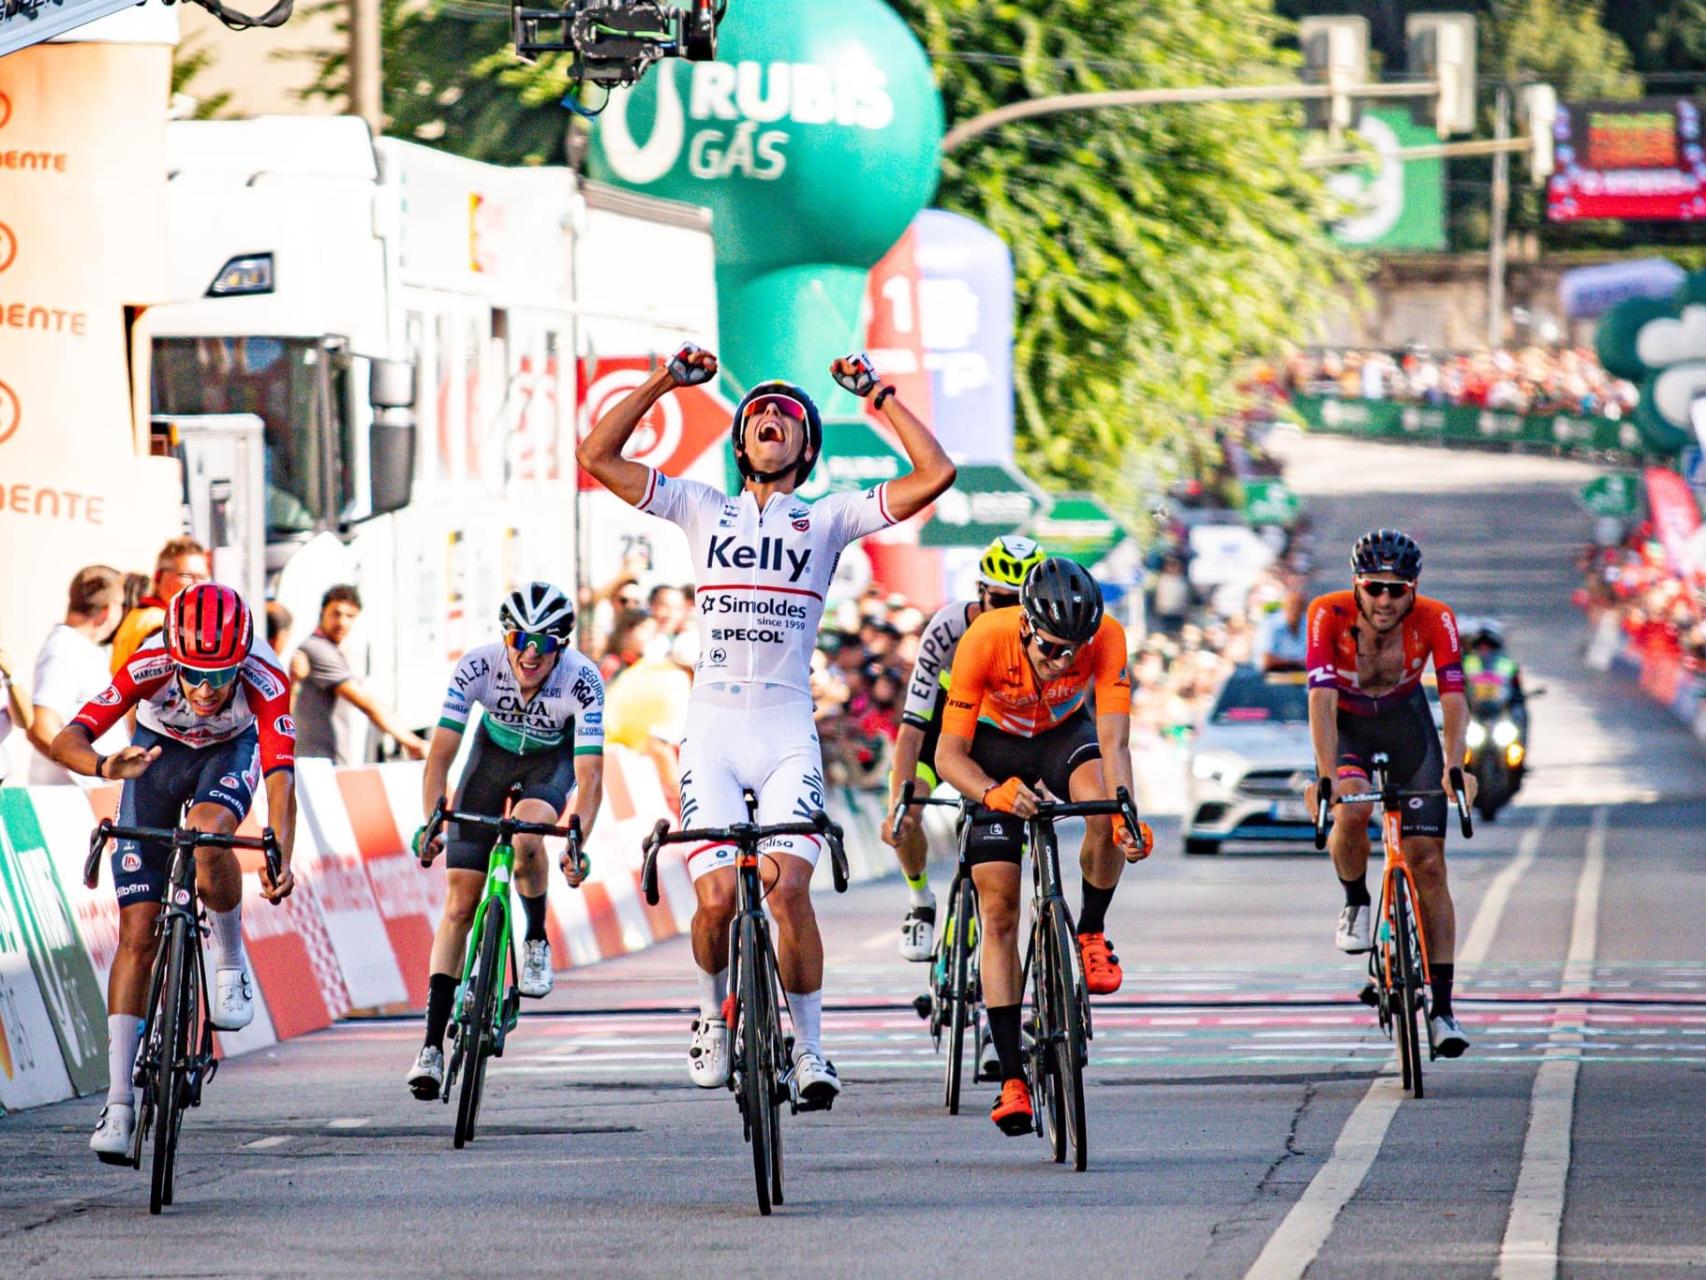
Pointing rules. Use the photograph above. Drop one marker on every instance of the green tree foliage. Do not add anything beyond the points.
(1155, 251)
(1561, 42)
(189, 60)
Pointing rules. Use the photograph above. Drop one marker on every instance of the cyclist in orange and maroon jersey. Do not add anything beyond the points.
(1020, 726)
(1368, 650)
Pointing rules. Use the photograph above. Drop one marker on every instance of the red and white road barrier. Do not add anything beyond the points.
(355, 936)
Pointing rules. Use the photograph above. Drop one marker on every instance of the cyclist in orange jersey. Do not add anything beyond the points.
(1368, 650)
(1018, 728)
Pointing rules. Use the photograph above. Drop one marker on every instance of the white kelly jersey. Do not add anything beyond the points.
(760, 575)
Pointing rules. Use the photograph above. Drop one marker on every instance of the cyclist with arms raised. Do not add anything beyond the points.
(1000, 571)
(543, 730)
(1368, 648)
(1018, 728)
(763, 559)
(212, 717)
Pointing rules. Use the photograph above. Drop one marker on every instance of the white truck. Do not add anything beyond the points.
(371, 367)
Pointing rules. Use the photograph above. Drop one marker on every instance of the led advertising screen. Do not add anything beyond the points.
(1641, 161)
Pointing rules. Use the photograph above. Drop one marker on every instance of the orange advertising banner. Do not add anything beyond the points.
(82, 238)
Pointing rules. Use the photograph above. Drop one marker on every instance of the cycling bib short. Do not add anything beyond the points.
(491, 771)
(1406, 734)
(1052, 757)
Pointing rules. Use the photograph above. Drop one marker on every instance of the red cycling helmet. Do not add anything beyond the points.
(208, 627)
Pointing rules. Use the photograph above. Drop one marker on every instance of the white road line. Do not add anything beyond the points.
(1530, 1247)
(262, 1144)
(1479, 941)
(1304, 1230)
(1294, 1246)
(349, 1122)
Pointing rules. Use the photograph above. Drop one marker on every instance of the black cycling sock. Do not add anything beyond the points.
(1004, 1032)
(1442, 975)
(1356, 892)
(441, 995)
(534, 910)
(1093, 915)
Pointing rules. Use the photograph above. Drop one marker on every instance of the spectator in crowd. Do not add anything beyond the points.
(71, 670)
(14, 709)
(670, 609)
(279, 622)
(1283, 640)
(599, 606)
(182, 562)
(645, 709)
(136, 587)
(323, 676)
(634, 630)
(1171, 599)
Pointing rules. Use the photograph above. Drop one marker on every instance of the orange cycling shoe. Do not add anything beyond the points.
(1102, 972)
(1012, 1110)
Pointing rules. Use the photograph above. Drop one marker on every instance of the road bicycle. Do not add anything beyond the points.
(761, 1056)
(954, 1002)
(1060, 1025)
(488, 1003)
(175, 1056)
(1398, 969)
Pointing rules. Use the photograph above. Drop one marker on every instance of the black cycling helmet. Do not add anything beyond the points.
(1387, 551)
(814, 433)
(1060, 597)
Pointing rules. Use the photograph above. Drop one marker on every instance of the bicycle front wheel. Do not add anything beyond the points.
(479, 1020)
(1069, 1052)
(959, 991)
(758, 1059)
(1408, 978)
(167, 1082)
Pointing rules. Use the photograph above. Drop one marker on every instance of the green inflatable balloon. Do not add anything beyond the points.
(1660, 345)
(814, 140)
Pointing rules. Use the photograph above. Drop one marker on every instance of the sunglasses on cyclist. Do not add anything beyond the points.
(541, 643)
(787, 406)
(1053, 650)
(195, 677)
(1397, 590)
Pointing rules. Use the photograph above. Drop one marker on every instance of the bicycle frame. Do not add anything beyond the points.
(1396, 865)
(500, 874)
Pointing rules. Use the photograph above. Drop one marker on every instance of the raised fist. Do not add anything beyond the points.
(855, 373)
(692, 365)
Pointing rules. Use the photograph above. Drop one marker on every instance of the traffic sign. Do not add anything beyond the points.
(1610, 495)
(1079, 526)
(855, 456)
(1269, 502)
(988, 500)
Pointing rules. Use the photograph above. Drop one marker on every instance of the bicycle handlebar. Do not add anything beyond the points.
(1459, 796)
(1121, 805)
(746, 834)
(908, 801)
(266, 843)
(505, 827)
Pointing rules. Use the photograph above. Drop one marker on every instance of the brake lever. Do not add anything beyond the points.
(583, 864)
(434, 824)
(273, 853)
(97, 846)
(649, 867)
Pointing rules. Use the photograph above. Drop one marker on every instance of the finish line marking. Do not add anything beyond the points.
(1304, 1230)
(1530, 1247)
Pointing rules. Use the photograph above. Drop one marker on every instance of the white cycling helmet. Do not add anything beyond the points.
(539, 608)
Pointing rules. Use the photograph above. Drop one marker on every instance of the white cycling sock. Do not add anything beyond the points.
(920, 891)
(712, 988)
(227, 930)
(807, 1013)
(123, 1031)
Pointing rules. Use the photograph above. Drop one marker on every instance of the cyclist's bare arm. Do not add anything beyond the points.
(589, 791)
(1113, 735)
(958, 769)
(600, 453)
(907, 744)
(1455, 707)
(281, 817)
(932, 471)
(1324, 733)
(435, 781)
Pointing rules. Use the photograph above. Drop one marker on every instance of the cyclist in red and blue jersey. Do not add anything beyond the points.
(1368, 650)
(212, 718)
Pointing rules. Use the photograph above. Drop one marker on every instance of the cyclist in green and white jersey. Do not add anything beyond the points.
(543, 730)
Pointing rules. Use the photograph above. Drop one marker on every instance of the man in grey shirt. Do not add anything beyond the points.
(323, 675)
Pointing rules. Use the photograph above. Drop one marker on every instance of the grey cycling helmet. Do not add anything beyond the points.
(539, 608)
(1387, 551)
(1060, 597)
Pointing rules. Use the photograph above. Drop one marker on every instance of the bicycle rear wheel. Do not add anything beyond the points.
(1409, 983)
(959, 1012)
(478, 1021)
(168, 1067)
(758, 1059)
(1069, 1052)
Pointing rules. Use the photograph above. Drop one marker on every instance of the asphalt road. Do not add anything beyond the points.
(1242, 1118)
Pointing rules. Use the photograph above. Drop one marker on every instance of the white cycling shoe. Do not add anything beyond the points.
(815, 1082)
(1449, 1040)
(708, 1056)
(113, 1133)
(233, 999)
(1354, 934)
(427, 1075)
(537, 976)
(918, 932)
